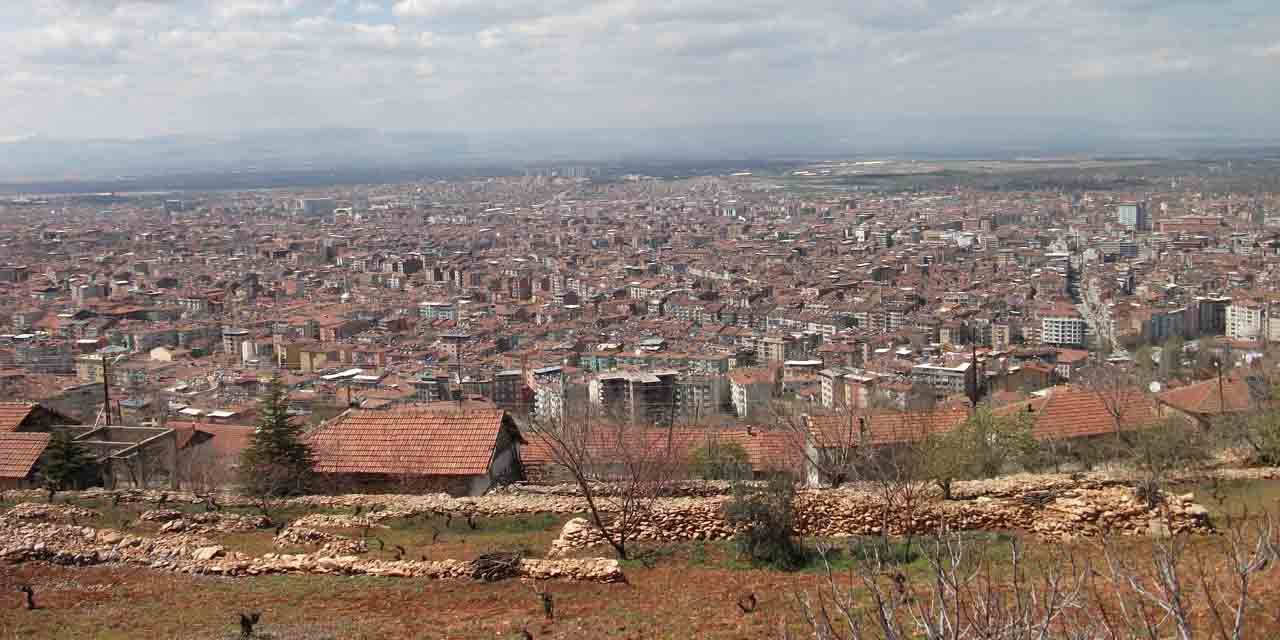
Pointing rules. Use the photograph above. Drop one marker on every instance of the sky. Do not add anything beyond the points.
(136, 68)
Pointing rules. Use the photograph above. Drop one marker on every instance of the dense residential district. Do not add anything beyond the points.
(700, 304)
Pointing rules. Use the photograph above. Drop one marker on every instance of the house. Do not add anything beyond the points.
(752, 389)
(834, 434)
(607, 449)
(419, 447)
(208, 454)
(1067, 411)
(1028, 377)
(30, 416)
(19, 457)
(1058, 414)
(1208, 399)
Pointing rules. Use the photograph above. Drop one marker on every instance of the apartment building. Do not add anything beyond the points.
(1247, 320)
(640, 397)
(1063, 327)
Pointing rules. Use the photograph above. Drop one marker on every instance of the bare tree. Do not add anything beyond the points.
(202, 470)
(897, 472)
(830, 445)
(1117, 389)
(967, 591)
(970, 590)
(637, 463)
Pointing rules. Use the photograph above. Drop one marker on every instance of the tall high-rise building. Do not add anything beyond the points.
(315, 207)
(1134, 216)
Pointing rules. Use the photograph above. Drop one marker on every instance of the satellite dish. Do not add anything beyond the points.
(1154, 387)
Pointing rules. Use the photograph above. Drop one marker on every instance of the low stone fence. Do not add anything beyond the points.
(328, 543)
(212, 522)
(1051, 515)
(516, 500)
(44, 512)
(22, 541)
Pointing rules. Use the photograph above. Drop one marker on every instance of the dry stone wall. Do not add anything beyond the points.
(44, 512)
(1057, 514)
(24, 541)
(1048, 506)
(518, 500)
(214, 522)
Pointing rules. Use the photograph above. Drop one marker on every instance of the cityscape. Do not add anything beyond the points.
(690, 300)
(607, 319)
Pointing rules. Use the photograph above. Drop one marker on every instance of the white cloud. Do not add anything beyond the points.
(626, 62)
(1146, 63)
(426, 8)
(238, 9)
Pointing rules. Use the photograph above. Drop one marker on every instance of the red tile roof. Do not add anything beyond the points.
(19, 453)
(1073, 412)
(225, 439)
(1205, 397)
(13, 413)
(766, 450)
(412, 440)
(881, 428)
(751, 376)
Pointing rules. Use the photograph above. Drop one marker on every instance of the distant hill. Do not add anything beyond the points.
(41, 159)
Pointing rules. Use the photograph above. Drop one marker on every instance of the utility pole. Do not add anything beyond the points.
(106, 389)
(1222, 400)
(108, 354)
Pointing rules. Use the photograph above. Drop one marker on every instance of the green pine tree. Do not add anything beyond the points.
(277, 461)
(65, 462)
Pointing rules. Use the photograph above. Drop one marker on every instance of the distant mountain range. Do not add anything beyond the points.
(44, 160)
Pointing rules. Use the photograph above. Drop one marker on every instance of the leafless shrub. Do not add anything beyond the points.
(972, 588)
(641, 463)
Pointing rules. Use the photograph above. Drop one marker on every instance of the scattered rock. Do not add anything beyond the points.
(23, 541)
(207, 553)
(45, 512)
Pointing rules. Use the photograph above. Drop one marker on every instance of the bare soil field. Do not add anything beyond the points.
(683, 590)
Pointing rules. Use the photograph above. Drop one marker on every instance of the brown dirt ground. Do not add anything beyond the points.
(689, 592)
(667, 601)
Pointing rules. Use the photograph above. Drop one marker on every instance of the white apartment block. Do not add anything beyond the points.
(1063, 330)
(1247, 321)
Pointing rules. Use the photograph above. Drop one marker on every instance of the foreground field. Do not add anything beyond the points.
(684, 590)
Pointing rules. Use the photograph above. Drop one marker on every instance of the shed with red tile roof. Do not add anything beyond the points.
(882, 428)
(1208, 399)
(29, 416)
(1069, 411)
(19, 455)
(419, 448)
